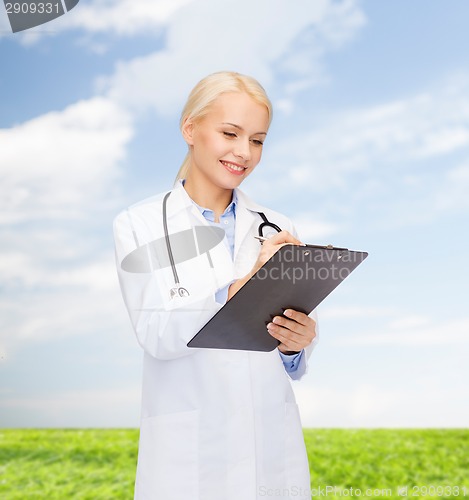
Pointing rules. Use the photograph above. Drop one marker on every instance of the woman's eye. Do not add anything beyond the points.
(229, 134)
(257, 142)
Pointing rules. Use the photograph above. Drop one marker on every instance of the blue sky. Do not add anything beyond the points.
(369, 149)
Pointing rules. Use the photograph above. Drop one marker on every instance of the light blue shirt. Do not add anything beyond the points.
(227, 223)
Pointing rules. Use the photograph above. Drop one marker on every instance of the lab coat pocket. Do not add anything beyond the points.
(296, 459)
(168, 457)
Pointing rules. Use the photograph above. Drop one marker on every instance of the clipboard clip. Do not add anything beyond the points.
(329, 247)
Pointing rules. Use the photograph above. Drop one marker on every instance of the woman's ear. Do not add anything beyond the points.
(187, 131)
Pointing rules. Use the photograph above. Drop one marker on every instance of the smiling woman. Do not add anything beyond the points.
(240, 113)
(215, 423)
(222, 153)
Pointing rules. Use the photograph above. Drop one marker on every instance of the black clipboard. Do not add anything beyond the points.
(296, 277)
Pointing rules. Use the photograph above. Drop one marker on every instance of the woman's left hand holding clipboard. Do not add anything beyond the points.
(296, 330)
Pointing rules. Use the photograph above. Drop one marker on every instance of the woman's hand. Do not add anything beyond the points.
(295, 331)
(271, 246)
(268, 248)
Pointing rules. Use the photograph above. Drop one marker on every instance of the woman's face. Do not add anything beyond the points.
(226, 145)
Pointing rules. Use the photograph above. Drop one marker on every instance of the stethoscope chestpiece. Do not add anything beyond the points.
(178, 292)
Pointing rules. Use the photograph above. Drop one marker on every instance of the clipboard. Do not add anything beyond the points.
(295, 277)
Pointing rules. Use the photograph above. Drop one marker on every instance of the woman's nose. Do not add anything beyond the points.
(243, 150)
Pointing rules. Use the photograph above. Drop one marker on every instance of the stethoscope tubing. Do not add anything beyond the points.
(265, 224)
(168, 242)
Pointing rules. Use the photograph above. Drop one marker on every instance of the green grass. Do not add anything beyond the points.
(59, 464)
(388, 459)
(99, 464)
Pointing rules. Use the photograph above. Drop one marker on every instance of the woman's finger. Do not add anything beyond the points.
(289, 340)
(304, 330)
(298, 316)
(283, 237)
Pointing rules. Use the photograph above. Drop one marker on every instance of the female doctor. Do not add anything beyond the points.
(215, 424)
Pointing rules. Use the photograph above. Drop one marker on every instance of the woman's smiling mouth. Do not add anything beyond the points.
(233, 167)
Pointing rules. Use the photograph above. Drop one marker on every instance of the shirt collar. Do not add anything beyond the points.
(230, 208)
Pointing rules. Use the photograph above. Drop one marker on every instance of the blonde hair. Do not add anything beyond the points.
(206, 92)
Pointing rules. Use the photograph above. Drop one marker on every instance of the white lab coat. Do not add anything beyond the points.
(215, 424)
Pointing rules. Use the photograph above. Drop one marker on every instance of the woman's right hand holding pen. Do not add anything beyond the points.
(268, 248)
(272, 245)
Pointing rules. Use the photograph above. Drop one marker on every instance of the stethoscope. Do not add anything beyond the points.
(178, 290)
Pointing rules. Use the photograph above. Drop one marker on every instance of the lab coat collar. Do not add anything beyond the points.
(246, 202)
(180, 200)
(246, 209)
(246, 217)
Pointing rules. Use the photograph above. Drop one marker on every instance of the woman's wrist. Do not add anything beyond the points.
(289, 353)
(234, 287)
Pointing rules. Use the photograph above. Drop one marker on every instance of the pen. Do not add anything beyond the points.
(261, 239)
(326, 247)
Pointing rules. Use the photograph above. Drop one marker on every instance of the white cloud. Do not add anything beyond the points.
(73, 408)
(16, 267)
(26, 271)
(394, 165)
(45, 316)
(413, 331)
(58, 172)
(122, 17)
(98, 275)
(252, 38)
(452, 192)
(363, 404)
(459, 174)
(56, 283)
(38, 319)
(56, 164)
(424, 403)
(409, 322)
(443, 140)
(352, 312)
(312, 229)
(51, 241)
(335, 23)
(388, 138)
